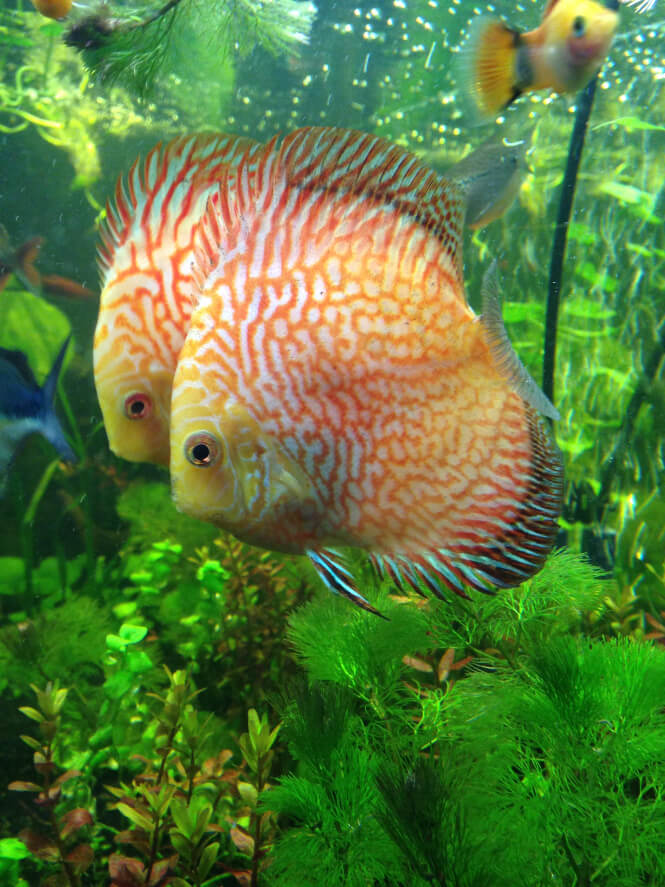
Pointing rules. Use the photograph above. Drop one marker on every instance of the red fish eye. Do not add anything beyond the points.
(138, 406)
(201, 449)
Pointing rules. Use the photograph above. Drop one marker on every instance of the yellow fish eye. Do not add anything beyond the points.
(579, 26)
(138, 406)
(201, 449)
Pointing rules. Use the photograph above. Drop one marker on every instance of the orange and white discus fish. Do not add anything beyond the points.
(336, 389)
(563, 53)
(146, 257)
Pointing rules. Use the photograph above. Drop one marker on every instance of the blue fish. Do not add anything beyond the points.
(25, 408)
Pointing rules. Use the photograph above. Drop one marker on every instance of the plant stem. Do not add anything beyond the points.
(256, 857)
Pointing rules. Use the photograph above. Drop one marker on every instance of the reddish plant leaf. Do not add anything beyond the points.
(81, 856)
(136, 837)
(40, 845)
(126, 871)
(73, 820)
(459, 665)
(418, 664)
(242, 840)
(445, 664)
(21, 786)
(161, 869)
(66, 776)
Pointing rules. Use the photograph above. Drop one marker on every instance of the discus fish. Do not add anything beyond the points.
(25, 408)
(145, 259)
(336, 389)
(563, 53)
(491, 176)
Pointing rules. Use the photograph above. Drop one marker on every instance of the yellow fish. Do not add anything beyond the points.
(500, 63)
(336, 389)
(146, 258)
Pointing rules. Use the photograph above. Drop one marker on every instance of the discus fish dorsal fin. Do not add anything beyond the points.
(332, 160)
(160, 191)
(346, 163)
(505, 356)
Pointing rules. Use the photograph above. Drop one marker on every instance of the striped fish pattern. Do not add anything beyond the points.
(145, 259)
(335, 388)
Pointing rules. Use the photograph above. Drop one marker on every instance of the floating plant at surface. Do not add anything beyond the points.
(131, 46)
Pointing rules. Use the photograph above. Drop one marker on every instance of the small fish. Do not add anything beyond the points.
(21, 262)
(53, 8)
(336, 389)
(145, 258)
(563, 53)
(491, 177)
(26, 408)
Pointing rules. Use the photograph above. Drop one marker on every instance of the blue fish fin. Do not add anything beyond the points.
(51, 382)
(19, 362)
(337, 578)
(505, 356)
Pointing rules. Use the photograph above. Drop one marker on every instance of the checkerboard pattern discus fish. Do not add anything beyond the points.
(145, 257)
(335, 388)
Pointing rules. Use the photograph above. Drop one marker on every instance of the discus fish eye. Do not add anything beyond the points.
(201, 449)
(579, 26)
(138, 406)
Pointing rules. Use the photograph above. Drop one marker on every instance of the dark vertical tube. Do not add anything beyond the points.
(585, 104)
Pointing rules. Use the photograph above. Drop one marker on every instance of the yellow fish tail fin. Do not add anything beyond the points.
(487, 70)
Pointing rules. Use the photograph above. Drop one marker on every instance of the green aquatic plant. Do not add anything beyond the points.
(62, 843)
(175, 795)
(133, 46)
(533, 766)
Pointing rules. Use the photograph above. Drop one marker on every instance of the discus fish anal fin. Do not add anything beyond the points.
(337, 578)
(505, 356)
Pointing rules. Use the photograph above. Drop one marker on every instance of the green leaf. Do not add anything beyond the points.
(182, 818)
(630, 124)
(12, 848)
(138, 662)
(132, 634)
(207, 860)
(32, 713)
(12, 573)
(140, 820)
(32, 325)
(118, 684)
